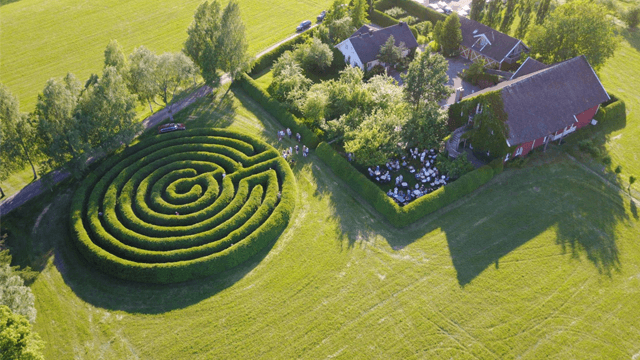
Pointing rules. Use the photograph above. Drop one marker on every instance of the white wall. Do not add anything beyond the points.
(349, 53)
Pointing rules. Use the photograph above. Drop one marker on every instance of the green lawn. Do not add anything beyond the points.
(44, 39)
(541, 262)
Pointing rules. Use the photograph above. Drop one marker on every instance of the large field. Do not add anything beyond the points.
(44, 39)
(542, 262)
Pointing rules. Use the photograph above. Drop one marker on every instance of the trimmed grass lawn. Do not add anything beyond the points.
(541, 262)
(45, 39)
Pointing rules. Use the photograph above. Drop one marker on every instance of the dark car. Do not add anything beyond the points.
(304, 25)
(321, 16)
(170, 127)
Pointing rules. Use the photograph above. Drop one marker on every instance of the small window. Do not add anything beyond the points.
(519, 151)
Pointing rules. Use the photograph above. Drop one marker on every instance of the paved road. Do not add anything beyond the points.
(36, 188)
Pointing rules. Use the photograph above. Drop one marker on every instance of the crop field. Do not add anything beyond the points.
(44, 39)
(540, 262)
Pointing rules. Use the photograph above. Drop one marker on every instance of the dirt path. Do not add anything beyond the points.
(36, 187)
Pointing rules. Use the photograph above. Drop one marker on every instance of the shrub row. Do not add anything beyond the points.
(612, 111)
(412, 8)
(238, 226)
(277, 110)
(403, 216)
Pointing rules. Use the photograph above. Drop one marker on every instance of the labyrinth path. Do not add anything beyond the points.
(183, 205)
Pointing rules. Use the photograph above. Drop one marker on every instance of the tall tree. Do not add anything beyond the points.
(143, 64)
(314, 55)
(573, 29)
(426, 127)
(438, 33)
(543, 10)
(508, 16)
(202, 44)
(61, 137)
(338, 10)
(17, 339)
(108, 110)
(492, 15)
(174, 71)
(17, 146)
(232, 42)
(15, 295)
(390, 54)
(426, 80)
(525, 19)
(477, 8)
(451, 35)
(114, 56)
(359, 13)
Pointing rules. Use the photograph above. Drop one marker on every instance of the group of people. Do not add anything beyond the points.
(428, 177)
(289, 133)
(287, 154)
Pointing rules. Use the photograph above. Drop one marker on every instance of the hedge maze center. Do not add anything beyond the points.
(182, 205)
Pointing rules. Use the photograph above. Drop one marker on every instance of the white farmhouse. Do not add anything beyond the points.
(363, 47)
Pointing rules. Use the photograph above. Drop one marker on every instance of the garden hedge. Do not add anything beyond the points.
(182, 205)
(403, 216)
(611, 111)
(277, 110)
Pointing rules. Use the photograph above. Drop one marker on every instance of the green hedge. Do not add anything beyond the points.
(277, 110)
(138, 236)
(612, 111)
(412, 8)
(403, 216)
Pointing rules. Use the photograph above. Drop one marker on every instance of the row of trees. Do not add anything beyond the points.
(342, 20)
(73, 122)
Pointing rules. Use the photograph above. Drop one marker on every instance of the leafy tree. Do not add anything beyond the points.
(340, 29)
(114, 56)
(390, 54)
(61, 137)
(232, 42)
(359, 13)
(174, 71)
(632, 17)
(314, 55)
(573, 29)
(477, 8)
(492, 15)
(378, 137)
(451, 35)
(338, 10)
(287, 59)
(142, 68)
(543, 10)
(17, 145)
(203, 44)
(426, 127)
(424, 28)
(314, 108)
(108, 110)
(15, 295)
(290, 86)
(426, 80)
(508, 16)
(525, 19)
(17, 340)
(438, 33)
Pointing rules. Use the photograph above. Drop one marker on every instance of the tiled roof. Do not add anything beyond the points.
(543, 102)
(500, 44)
(529, 66)
(367, 43)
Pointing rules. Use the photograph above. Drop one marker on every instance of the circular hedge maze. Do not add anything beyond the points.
(182, 205)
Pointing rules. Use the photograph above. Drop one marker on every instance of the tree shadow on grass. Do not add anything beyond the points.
(632, 37)
(7, 2)
(210, 111)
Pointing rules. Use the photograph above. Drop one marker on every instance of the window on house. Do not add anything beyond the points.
(519, 151)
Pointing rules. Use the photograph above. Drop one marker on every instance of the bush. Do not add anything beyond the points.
(424, 28)
(403, 216)
(412, 8)
(409, 19)
(395, 12)
(265, 61)
(123, 215)
(277, 110)
(632, 17)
